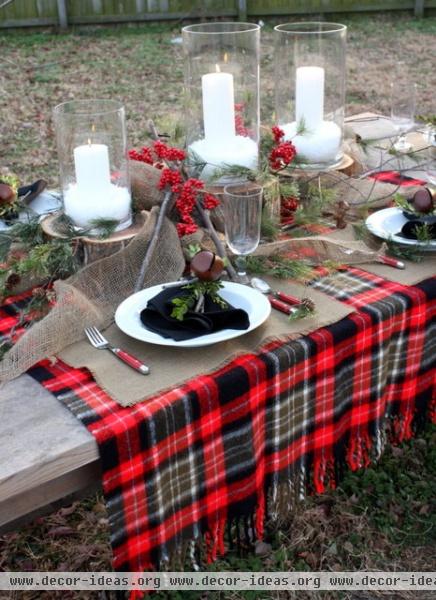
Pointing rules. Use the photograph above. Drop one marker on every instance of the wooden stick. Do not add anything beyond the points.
(205, 216)
(216, 240)
(153, 240)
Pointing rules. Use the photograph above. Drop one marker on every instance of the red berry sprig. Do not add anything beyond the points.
(287, 211)
(153, 155)
(282, 155)
(185, 192)
(278, 134)
(144, 155)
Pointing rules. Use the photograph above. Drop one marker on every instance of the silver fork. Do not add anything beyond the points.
(101, 343)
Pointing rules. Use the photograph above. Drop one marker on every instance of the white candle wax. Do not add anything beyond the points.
(218, 108)
(91, 162)
(240, 150)
(320, 145)
(309, 96)
(83, 208)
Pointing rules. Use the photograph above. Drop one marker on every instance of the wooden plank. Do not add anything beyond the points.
(242, 10)
(62, 13)
(36, 22)
(419, 8)
(151, 17)
(49, 496)
(24, 13)
(45, 451)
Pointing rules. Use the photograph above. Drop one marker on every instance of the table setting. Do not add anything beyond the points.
(238, 320)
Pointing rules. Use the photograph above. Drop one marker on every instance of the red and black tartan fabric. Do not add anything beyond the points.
(397, 178)
(255, 434)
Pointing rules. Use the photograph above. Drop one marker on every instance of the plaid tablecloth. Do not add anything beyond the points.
(255, 435)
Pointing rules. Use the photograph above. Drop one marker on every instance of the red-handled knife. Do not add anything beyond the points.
(392, 262)
(288, 298)
(281, 306)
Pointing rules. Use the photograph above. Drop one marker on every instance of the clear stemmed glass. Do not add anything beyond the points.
(242, 214)
(403, 102)
(431, 156)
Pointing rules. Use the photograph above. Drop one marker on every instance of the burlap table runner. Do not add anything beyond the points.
(411, 275)
(171, 367)
(380, 132)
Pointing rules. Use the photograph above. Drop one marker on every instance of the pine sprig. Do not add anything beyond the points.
(269, 226)
(98, 228)
(317, 201)
(414, 254)
(302, 310)
(233, 172)
(280, 266)
(192, 293)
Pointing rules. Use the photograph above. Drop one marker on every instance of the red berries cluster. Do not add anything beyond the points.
(278, 134)
(186, 196)
(170, 178)
(282, 155)
(210, 202)
(185, 204)
(239, 120)
(185, 191)
(158, 152)
(144, 155)
(164, 152)
(288, 208)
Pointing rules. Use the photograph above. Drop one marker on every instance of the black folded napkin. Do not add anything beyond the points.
(157, 317)
(409, 229)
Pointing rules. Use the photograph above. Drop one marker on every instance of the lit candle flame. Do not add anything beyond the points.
(226, 58)
(92, 131)
(217, 68)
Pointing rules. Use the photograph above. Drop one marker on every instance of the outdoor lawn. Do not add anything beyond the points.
(382, 518)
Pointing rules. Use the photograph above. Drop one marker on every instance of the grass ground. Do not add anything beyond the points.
(142, 68)
(382, 518)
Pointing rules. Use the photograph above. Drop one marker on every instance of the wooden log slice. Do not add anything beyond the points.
(89, 248)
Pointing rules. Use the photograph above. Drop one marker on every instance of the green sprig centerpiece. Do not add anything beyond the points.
(195, 291)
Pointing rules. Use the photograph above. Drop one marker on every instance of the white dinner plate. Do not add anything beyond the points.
(253, 302)
(387, 223)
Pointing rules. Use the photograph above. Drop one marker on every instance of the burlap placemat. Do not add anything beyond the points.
(411, 275)
(379, 133)
(170, 367)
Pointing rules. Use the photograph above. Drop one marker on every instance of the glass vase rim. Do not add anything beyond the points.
(236, 27)
(112, 106)
(318, 27)
(253, 189)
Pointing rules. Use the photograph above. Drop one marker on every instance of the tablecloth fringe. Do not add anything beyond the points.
(277, 500)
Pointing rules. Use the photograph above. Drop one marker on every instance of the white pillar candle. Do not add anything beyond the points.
(309, 96)
(320, 143)
(91, 162)
(218, 108)
(93, 196)
(221, 146)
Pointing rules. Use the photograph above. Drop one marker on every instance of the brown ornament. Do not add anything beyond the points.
(7, 194)
(423, 201)
(207, 266)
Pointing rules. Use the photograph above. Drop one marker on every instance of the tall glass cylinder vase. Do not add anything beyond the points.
(93, 162)
(222, 96)
(309, 63)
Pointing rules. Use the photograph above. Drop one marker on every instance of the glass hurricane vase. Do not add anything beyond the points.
(309, 61)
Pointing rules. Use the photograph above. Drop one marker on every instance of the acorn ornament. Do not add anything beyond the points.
(423, 201)
(207, 266)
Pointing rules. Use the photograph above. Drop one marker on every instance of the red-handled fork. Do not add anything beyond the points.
(101, 343)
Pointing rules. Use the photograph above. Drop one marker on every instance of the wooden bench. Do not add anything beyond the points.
(46, 454)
